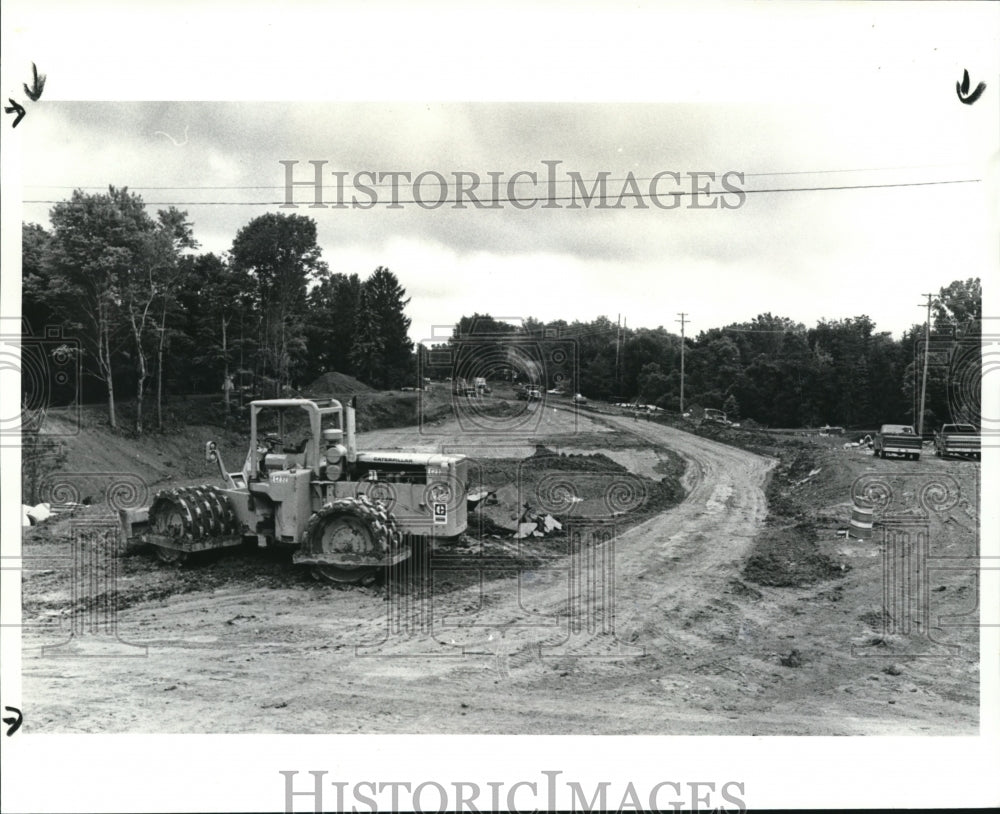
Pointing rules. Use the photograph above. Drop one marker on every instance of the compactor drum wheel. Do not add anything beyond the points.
(169, 521)
(350, 540)
(188, 519)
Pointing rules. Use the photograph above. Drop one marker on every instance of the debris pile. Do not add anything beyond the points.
(535, 524)
(865, 442)
(807, 478)
(33, 515)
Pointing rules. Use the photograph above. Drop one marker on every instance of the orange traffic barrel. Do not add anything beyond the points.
(862, 520)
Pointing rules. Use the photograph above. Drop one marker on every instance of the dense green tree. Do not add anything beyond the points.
(713, 368)
(383, 351)
(280, 254)
(643, 347)
(108, 264)
(330, 324)
(213, 326)
(36, 293)
(179, 233)
(653, 383)
(958, 308)
(483, 346)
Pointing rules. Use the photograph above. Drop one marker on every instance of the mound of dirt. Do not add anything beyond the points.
(583, 489)
(336, 384)
(762, 442)
(390, 408)
(595, 462)
(789, 557)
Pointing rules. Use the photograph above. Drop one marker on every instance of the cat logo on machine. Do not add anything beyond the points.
(440, 513)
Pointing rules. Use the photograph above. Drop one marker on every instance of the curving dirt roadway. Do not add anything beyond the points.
(658, 644)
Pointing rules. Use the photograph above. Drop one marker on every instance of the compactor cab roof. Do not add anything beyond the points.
(320, 406)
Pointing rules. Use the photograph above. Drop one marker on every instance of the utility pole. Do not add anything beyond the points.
(618, 342)
(621, 384)
(682, 321)
(927, 347)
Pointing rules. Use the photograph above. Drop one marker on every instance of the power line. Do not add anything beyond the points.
(860, 169)
(496, 201)
(762, 330)
(522, 181)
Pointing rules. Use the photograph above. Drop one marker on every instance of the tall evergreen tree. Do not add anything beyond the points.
(383, 350)
(330, 324)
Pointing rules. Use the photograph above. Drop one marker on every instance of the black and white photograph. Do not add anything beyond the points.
(382, 383)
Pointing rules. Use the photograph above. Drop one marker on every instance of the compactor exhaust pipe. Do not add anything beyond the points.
(350, 430)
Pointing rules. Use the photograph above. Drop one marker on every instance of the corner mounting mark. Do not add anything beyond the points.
(34, 93)
(15, 108)
(14, 722)
(37, 84)
(962, 89)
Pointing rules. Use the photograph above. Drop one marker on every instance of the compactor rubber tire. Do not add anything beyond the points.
(338, 575)
(355, 526)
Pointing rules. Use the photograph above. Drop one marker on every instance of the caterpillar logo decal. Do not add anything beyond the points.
(440, 513)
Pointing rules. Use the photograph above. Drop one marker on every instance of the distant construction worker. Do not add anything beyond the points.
(227, 389)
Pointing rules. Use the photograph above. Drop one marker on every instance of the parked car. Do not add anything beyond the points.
(578, 399)
(715, 416)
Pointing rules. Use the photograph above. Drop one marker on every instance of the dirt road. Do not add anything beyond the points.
(650, 631)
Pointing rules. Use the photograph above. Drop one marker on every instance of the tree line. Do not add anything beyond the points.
(771, 369)
(150, 316)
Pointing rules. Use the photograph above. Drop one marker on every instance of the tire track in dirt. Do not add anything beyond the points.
(545, 639)
(678, 560)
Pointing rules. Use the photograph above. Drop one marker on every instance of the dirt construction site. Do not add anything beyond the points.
(619, 575)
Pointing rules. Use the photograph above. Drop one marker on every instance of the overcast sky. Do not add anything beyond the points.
(809, 255)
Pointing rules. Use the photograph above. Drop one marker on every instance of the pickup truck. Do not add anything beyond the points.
(957, 439)
(897, 439)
